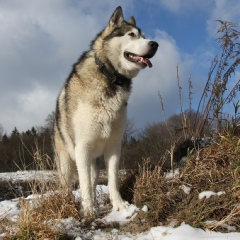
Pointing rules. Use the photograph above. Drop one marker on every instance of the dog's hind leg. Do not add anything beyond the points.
(64, 163)
(66, 169)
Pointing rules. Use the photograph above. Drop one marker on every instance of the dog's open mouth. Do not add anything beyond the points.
(138, 59)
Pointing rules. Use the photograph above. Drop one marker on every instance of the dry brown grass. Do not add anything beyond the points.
(155, 191)
(39, 217)
(215, 168)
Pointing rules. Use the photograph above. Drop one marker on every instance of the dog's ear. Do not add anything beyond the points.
(132, 21)
(115, 20)
(117, 17)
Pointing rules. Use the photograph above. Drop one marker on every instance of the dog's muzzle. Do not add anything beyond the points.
(143, 60)
(154, 46)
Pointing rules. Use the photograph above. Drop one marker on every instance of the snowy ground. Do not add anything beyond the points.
(9, 209)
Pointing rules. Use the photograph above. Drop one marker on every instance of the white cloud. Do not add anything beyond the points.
(40, 40)
(29, 109)
(181, 6)
(225, 10)
(171, 5)
(161, 77)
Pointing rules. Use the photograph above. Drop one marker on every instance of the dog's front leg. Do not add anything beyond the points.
(83, 162)
(112, 157)
(95, 169)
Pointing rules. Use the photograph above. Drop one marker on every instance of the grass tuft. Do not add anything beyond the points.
(215, 168)
(39, 218)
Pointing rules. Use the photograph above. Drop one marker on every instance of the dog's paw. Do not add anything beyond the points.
(120, 204)
(89, 211)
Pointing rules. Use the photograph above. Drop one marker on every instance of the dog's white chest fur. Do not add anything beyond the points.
(100, 117)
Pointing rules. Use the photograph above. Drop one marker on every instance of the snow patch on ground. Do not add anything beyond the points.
(28, 176)
(172, 174)
(224, 225)
(186, 189)
(123, 216)
(9, 209)
(208, 194)
(186, 232)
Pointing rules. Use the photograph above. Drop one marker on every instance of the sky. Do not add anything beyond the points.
(40, 41)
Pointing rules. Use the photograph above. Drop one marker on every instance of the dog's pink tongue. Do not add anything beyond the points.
(146, 61)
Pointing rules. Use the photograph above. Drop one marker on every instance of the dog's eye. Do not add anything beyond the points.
(132, 34)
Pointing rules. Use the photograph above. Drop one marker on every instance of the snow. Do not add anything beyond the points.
(9, 209)
(122, 216)
(224, 225)
(145, 208)
(186, 232)
(171, 174)
(185, 188)
(28, 175)
(208, 194)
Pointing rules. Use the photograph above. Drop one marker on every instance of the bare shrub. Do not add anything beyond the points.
(40, 216)
(215, 168)
(153, 190)
(218, 90)
(38, 219)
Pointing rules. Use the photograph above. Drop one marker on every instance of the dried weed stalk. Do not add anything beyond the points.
(151, 189)
(39, 218)
(218, 91)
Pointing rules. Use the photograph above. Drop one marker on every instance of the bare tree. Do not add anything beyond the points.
(50, 121)
(129, 131)
(1, 131)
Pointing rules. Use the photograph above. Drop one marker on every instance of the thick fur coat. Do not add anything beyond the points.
(91, 108)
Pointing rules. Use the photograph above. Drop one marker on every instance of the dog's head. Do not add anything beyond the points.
(125, 47)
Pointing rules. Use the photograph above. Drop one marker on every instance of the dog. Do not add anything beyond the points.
(91, 108)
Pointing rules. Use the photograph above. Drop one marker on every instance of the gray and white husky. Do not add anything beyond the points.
(91, 107)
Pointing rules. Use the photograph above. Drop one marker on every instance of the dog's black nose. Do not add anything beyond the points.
(153, 44)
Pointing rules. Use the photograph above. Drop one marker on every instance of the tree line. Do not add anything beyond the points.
(27, 150)
(32, 149)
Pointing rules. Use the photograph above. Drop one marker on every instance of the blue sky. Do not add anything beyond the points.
(178, 25)
(41, 39)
